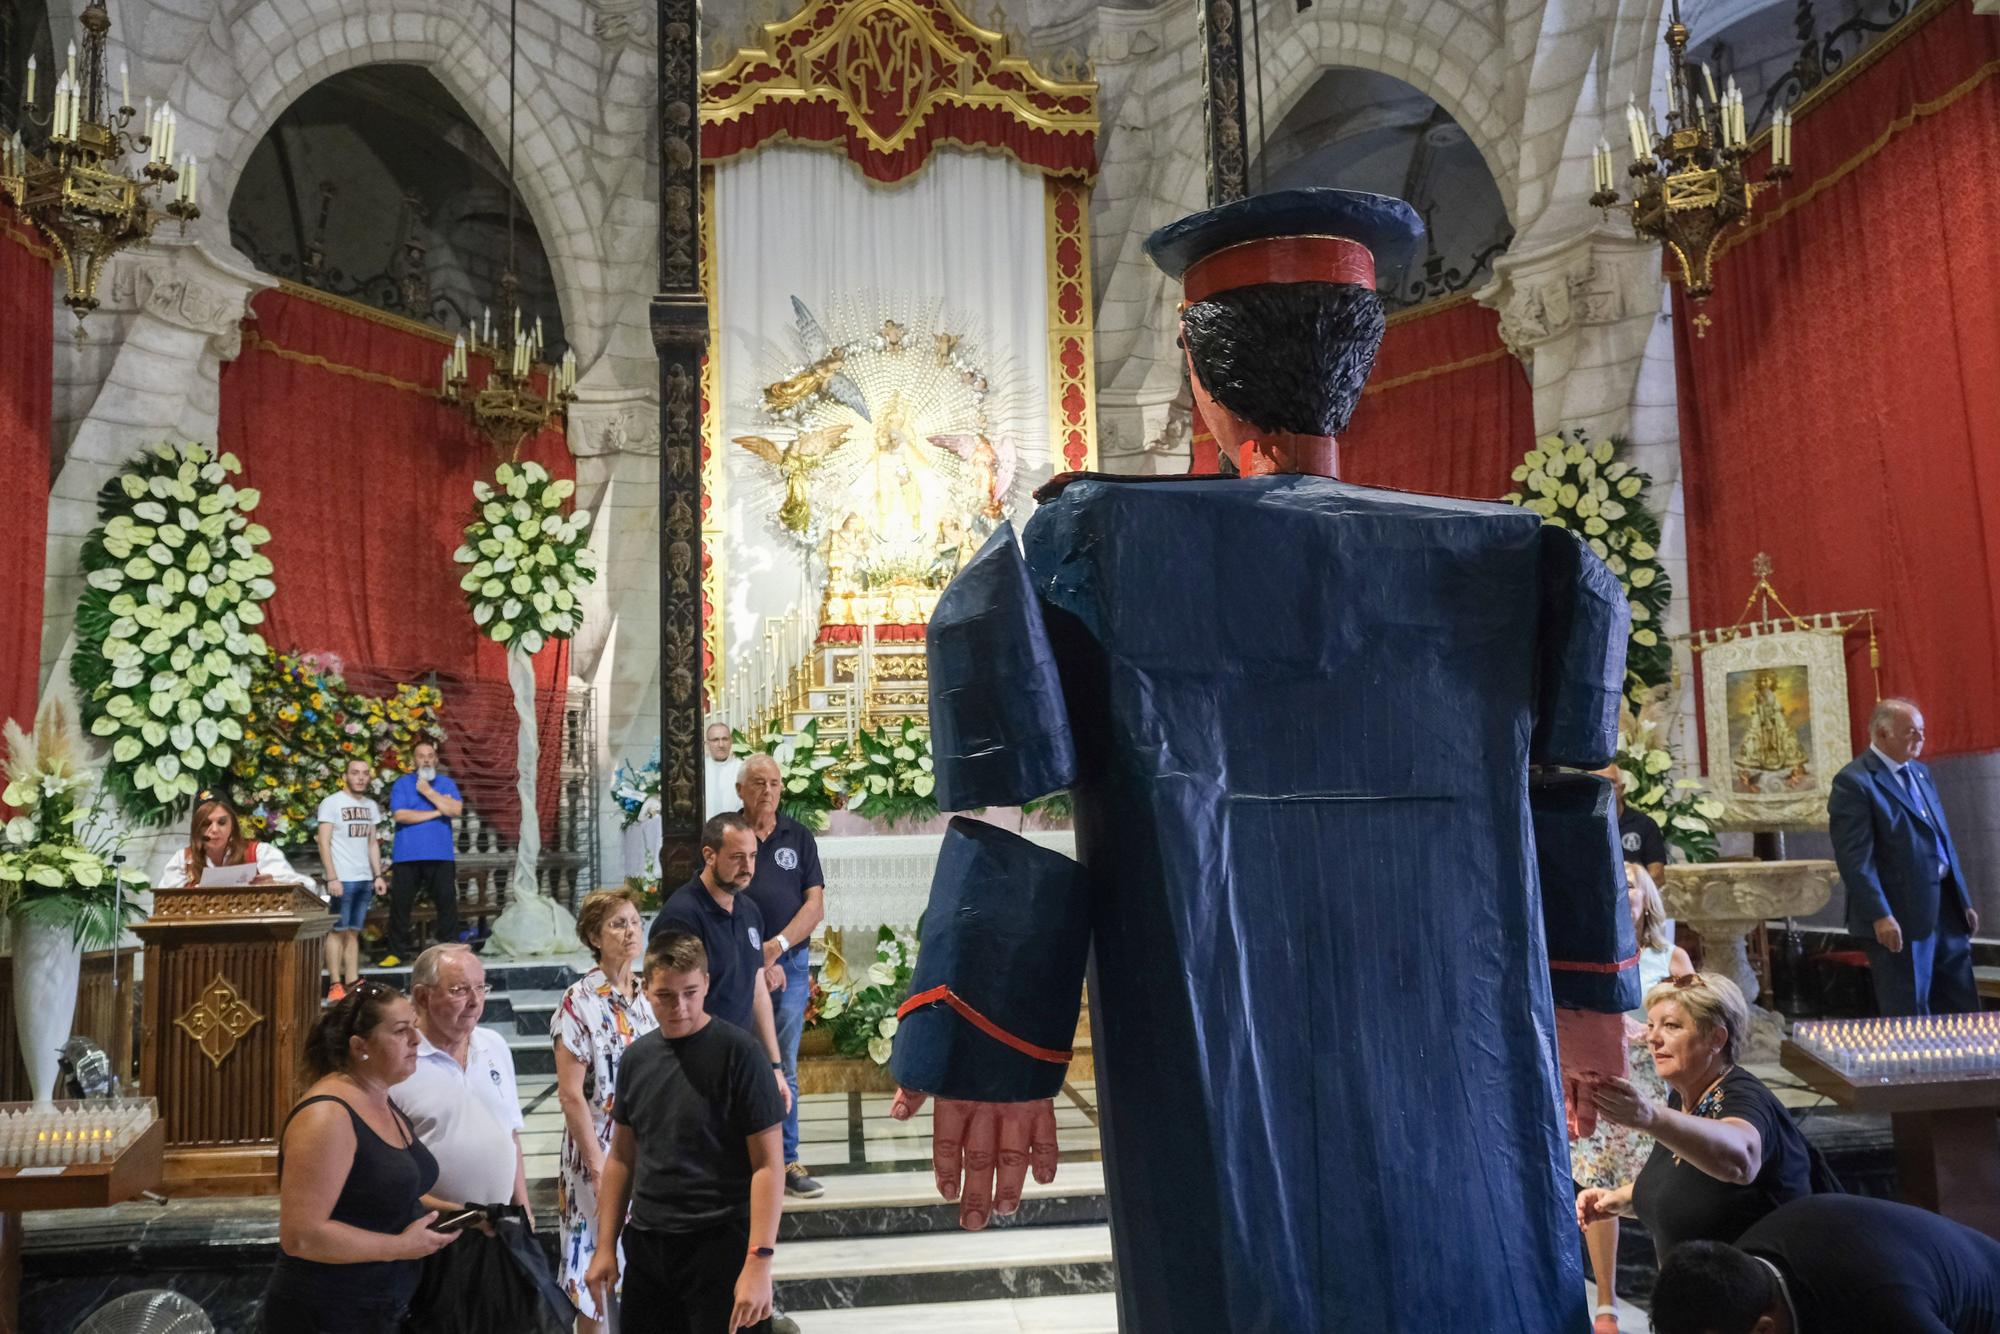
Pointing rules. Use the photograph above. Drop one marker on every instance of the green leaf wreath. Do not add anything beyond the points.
(1588, 487)
(529, 559)
(165, 644)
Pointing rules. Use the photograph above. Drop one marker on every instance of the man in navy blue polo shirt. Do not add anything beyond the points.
(714, 907)
(790, 891)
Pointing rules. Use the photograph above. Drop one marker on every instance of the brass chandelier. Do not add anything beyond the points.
(76, 191)
(509, 406)
(1689, 183)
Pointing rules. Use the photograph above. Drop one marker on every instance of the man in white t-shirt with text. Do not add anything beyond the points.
(350, 850)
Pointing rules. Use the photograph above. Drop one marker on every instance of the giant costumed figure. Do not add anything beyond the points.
(1338, 907)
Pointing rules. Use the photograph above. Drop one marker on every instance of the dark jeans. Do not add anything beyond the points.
(439, 879)
(291, 1315)
(684, 1282)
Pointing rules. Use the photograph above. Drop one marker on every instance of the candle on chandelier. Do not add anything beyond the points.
(31, 79)
(486, 319)
(173, 133)
(1709, 79)
(1633, 124)
(124, 84)
(72, 64)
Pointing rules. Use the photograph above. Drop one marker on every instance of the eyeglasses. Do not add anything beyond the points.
(465, 990)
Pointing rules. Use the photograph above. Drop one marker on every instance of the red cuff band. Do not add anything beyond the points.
(1566, 966)
(982, 1023)
(1283, 259)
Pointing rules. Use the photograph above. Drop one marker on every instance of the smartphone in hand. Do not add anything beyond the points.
(458, 1220)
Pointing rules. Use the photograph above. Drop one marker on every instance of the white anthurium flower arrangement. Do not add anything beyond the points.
(166, 629)
(529, 561)
(858, 1005)
(60, 863)
(529, 558)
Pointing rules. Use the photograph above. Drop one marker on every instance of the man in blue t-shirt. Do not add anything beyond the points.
(423, 804)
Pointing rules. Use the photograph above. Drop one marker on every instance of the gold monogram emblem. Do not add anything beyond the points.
(218, 1020)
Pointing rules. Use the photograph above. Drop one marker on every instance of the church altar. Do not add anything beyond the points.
(885, 879)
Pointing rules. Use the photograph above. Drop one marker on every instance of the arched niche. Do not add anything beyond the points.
(1363, 130)
(376, 186)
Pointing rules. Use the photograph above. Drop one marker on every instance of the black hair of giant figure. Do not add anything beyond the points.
(1706, 1287)
(1286, 356)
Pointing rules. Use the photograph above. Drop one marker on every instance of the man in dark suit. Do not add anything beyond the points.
(1906, 893)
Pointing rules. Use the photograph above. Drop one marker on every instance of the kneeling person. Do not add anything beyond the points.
(697, 1153)
(1835, 1264)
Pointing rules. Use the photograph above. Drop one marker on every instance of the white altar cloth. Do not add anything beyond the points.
(885, 879)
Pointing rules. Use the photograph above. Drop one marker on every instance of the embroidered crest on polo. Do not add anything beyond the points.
(494, 1074)
(787, 858)
(756, 938)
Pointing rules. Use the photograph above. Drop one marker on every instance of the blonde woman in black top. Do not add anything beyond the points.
(352, 1174)
(1725, 1150)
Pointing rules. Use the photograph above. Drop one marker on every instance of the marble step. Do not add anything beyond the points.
(1090, 1313)
(999, 1264)
(869, 1204)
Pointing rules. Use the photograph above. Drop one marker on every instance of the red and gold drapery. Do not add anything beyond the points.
(1842, 411)
(890, 81)
(367, 486)
(1448, 411)
(27, 341)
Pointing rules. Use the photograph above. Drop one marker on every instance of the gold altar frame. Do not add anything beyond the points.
(895, 48)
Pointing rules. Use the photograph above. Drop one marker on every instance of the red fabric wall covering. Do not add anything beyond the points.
(1448, 410)
(367, 485)
(27, 341)
(1843, 411)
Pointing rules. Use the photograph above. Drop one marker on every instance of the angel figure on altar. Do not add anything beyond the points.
(826, 375)
(796, 462)
(991, 468)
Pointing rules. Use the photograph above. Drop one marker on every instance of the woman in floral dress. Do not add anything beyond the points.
(601, 1015)
(1612, 1155)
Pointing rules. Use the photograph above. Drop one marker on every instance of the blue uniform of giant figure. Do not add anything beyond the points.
(1297, 718)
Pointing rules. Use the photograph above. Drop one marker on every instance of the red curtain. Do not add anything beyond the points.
(27, 331)
(1448, 411)
(367, 486)
(1842, 411)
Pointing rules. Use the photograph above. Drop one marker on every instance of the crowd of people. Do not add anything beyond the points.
(403, 1187)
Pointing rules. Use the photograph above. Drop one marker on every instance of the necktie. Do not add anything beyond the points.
(1923, 809)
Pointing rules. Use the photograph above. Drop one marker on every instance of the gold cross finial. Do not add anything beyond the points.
(1761, 566)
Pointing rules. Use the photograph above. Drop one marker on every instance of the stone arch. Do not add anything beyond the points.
(1450, 58)
(458, 54)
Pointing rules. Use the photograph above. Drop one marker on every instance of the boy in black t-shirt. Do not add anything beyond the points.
(696, 1152)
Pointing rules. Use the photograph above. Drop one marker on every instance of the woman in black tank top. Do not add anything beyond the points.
(352, 1228)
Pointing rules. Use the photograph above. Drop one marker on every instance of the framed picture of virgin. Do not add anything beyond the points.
(1774, 712)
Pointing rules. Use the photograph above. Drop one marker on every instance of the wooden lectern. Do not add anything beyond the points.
(232, 989)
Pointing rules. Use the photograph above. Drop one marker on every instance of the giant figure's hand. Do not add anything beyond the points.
(968, 1139)
(1592, 1047)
